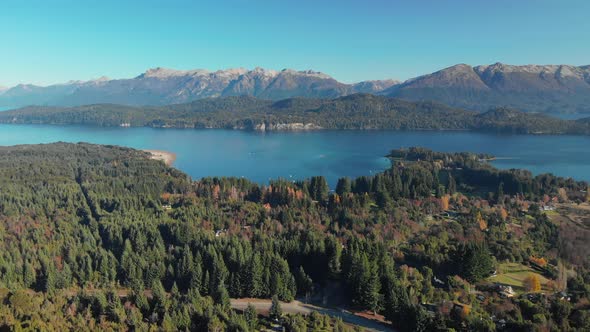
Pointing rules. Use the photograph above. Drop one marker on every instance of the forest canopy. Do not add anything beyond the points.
(103, 237)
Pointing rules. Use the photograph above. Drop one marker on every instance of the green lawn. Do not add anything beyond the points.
(514, 274)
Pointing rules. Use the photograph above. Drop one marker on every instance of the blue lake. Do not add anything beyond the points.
(297, 155)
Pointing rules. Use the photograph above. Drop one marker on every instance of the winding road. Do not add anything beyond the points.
(296, 307)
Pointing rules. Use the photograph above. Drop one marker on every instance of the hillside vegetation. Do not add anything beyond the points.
(358, 111)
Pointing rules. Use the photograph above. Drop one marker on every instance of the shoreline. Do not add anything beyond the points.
(167, 157)
(311, 130)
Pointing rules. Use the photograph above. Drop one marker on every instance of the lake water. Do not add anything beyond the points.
(572, 116)
(297, 155)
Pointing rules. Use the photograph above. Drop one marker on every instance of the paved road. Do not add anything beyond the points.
(296, 307)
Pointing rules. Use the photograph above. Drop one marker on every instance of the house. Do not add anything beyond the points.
(438, 281)
(505, 291)
(563, 296)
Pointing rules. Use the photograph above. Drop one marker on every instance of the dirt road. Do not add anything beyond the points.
(296, 307)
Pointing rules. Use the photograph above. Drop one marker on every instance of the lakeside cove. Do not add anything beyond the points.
(330, 153)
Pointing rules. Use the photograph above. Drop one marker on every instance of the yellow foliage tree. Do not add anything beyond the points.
(483, 225)
(532, 283)
(465, 311)
(444, 202)
(503, 214)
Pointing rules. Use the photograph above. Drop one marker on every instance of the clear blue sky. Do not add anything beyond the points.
(45, 42)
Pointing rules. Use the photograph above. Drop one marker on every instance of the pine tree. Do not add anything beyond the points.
(196, 278)
(168, 324)
(134, 318)
(254, 277)
(417, 319)
(235, 285)
(100, 303)
(452, 189)
(205, 283)
(115, 310)
(128, 266)
(370, 286)
(29, 276)
(140, 299)
(49, 281)
(396, 186)
(221, 296)
(251, 316)
(160, 297)
(474, 261)
(185, 267)
(175, 297)
(500, 193)
(343, 186)
(304, 282)
(334, 254)
(275, 312)
(319, 189)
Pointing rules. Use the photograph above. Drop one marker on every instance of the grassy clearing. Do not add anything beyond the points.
(514, 274)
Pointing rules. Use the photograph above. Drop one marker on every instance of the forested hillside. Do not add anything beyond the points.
(359, 111)
(102, 237)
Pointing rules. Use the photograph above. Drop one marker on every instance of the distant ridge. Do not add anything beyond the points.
(550, 89)
(356, 112)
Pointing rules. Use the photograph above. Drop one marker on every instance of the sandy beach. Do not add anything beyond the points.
(165, 156)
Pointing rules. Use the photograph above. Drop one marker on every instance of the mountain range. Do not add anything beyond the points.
(161, 86)
(547, 89)
(533, 88)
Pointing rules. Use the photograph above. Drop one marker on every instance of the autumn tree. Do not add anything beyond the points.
(444, 202)
(541, 262)
(532, 283)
